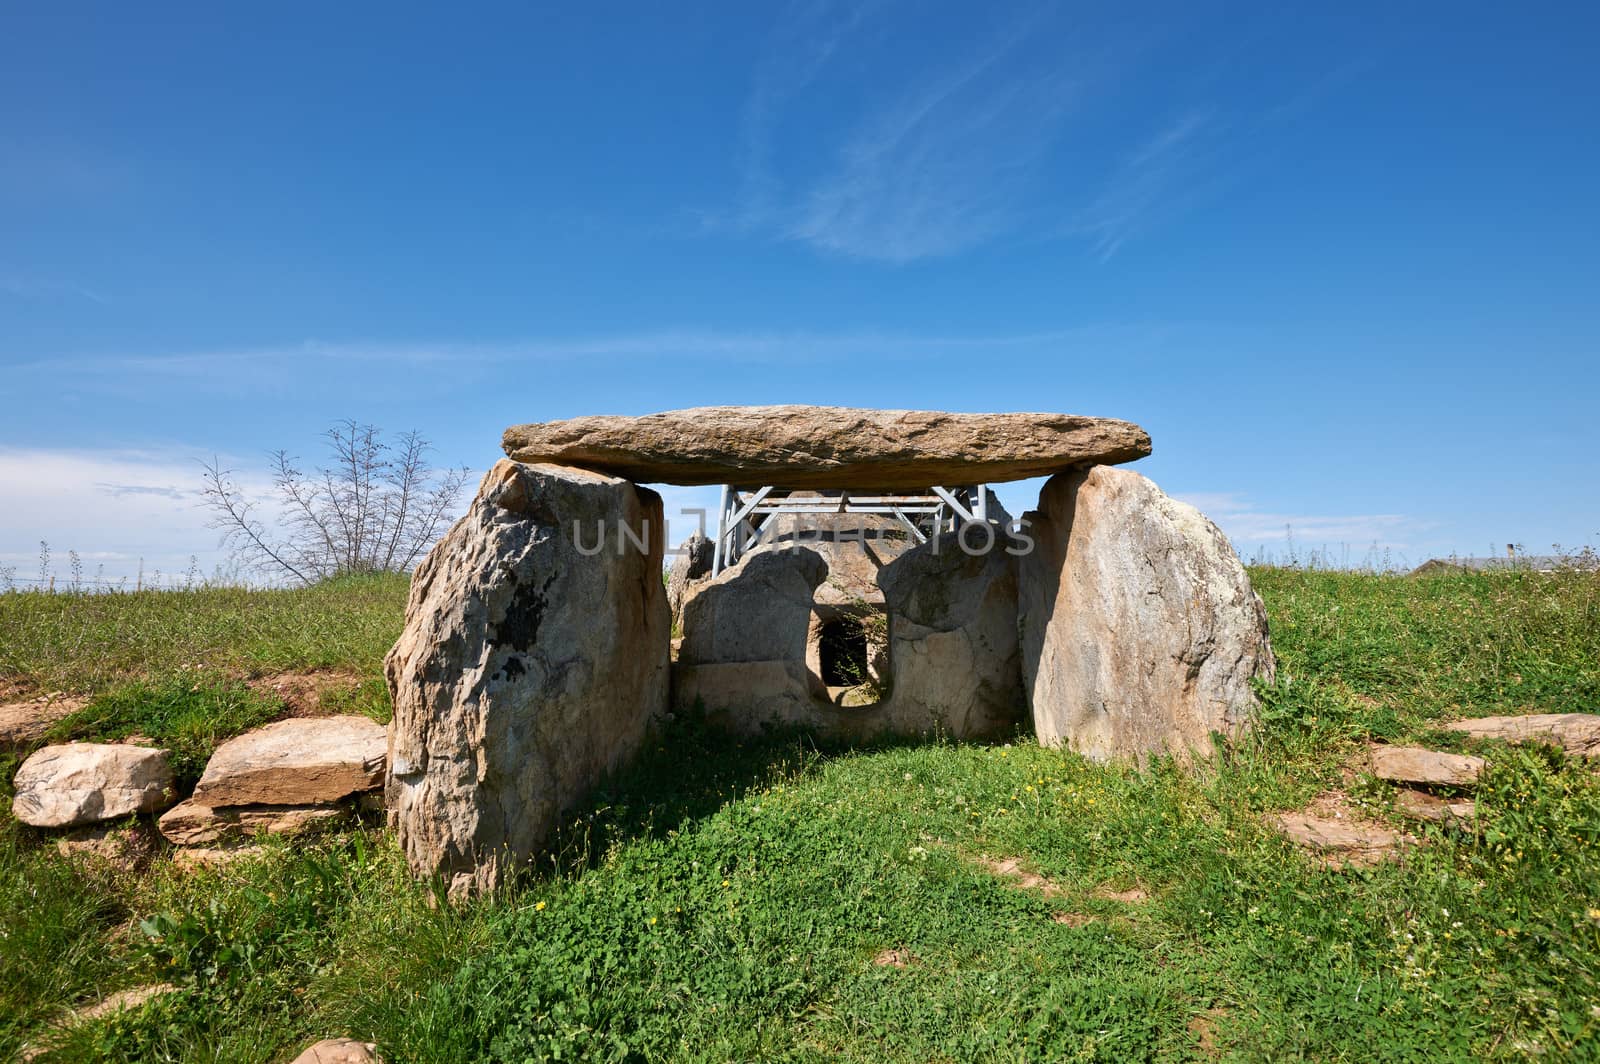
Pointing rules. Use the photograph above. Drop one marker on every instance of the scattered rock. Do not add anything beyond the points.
(1424, 806)
(533, 659)
(340, 1051)
(1340, 841)
(29, 721)
(84, 783)
(1413, 764)
(827, 447)
(1576, 733)
(300, 761)
(193, 824)
(1140, 630)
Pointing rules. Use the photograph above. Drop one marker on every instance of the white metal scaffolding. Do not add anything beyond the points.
(744, 513)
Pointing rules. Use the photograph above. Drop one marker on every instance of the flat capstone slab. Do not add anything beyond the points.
(827, 446)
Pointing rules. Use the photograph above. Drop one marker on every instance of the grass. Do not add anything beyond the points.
(726, 901)
(91, 643)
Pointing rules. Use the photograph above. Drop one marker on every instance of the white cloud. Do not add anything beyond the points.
(1347, 538)
(118, 511)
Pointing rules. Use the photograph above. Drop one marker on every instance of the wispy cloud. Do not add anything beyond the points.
(246, 365)
(933, 167)
(1148, 184)
(860, 138)
(1251, 527)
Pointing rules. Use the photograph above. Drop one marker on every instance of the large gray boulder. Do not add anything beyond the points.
(84, 783)
(534, 657)
(1140, 630)
(827, 446)
(955, 659)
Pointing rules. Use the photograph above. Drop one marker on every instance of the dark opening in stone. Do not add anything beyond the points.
(842, 648)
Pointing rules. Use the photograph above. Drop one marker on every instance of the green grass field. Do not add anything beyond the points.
(736, 902)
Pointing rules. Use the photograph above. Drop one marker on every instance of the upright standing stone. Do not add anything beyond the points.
(953, 649)
(534, 657)
(1141, 632)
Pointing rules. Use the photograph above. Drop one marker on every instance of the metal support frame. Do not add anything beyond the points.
(744, 512)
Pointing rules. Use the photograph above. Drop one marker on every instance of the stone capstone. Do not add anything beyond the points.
(83, 783)
(1140, 630)
(827, 447)
(533, 660)
(300, 761)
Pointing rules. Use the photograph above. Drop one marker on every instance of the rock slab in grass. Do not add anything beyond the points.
(532, 662)
(191, 823)
(1576, 733)
(1140, 630)
(301, 761)
(84, 783)
(1414, 764)
(827, 446)
(340, 1051)
(1340, 841)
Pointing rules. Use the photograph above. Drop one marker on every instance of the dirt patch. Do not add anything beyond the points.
(1203, 1026)
(1131, 896)
(27, 720)
(1071, 919)
(894, 958)
(304, 693)
(1011, 868)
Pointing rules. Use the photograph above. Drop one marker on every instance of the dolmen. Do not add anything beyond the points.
(542, 642)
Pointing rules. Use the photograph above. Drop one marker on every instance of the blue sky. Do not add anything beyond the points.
(1341, 262)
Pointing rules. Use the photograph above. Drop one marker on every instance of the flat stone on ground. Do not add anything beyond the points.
(301, 761)
(1576, 733)
(827, 446)
(84, 783)
(1339, 841)
(192, 824)
(1414, 764)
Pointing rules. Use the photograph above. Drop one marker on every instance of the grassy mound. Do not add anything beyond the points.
(776, 900)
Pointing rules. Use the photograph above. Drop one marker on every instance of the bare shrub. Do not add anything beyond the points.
(374, 507)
